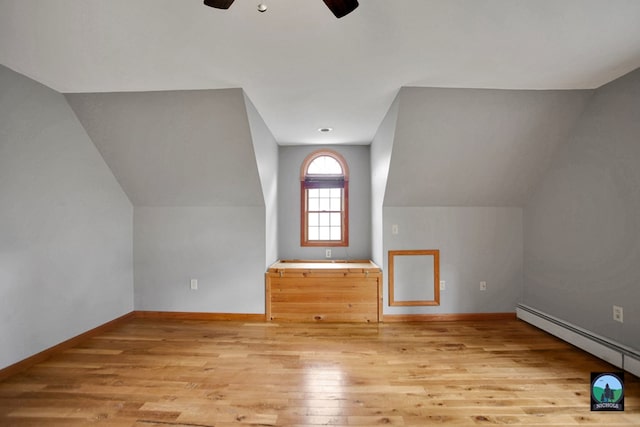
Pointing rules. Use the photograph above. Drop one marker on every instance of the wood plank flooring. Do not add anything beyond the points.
(151, 372)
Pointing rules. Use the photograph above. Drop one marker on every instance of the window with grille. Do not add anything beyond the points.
(324, 183)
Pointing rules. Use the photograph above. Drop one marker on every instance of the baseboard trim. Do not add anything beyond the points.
(185, 315)
(447, 317)
(601, 347)
(65, 345)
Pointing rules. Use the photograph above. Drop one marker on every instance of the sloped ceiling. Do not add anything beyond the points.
(175, 148)
(304, 69)
(476, 147)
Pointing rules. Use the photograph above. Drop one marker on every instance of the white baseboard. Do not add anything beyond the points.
(632, 364)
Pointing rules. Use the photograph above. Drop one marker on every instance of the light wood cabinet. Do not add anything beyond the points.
(324, 291)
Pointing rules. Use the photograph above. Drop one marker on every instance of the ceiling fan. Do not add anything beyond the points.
(339, 8)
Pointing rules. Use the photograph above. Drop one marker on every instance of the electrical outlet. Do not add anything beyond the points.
(327, 253)
(443, 285)
(618, 314)
(483, 286)
(194, 284)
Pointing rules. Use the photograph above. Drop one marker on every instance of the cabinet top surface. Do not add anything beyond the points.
(333, 265)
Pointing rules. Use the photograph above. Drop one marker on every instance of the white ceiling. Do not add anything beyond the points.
(303, 68)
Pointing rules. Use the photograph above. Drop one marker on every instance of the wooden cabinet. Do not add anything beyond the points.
(324, 291)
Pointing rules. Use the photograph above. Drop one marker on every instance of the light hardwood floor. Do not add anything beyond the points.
(151, 372)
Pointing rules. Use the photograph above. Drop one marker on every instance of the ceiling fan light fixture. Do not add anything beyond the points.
(219, 4)
(341, 8)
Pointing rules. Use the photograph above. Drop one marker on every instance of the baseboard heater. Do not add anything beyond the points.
(616, 354)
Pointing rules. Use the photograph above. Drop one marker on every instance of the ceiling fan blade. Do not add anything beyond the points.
(219, 4)
(341, 8)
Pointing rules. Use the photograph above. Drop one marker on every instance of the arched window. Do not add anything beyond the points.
(324, 200)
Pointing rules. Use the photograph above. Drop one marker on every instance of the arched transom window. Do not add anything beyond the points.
(324, 200)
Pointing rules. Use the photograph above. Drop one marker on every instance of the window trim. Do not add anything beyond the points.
(304, 240)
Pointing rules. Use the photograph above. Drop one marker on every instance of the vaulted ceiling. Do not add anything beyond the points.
(303, 68)
(175, 148)
(477, 147)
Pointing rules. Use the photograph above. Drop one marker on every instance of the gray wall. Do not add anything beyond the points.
(221, 247)
(358, 158)
(582, 223)
(266, 152)
(381, 148)
(65, 225)
(192, 162)
(462, 163)
(476, 244)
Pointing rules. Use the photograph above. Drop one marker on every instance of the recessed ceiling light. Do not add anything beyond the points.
(325, 130)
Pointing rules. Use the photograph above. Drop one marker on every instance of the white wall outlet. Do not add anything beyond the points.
(394, 229)
(327, 253)
(483, 286)
(443, 285)
(618, 314)
(194, 284)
